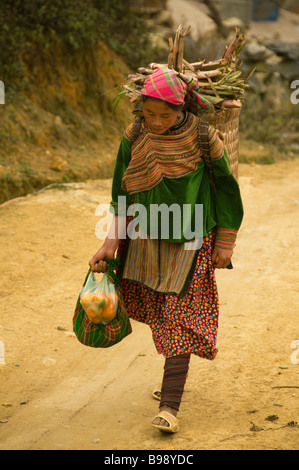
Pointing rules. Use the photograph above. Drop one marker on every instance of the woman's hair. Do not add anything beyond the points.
(175, 107)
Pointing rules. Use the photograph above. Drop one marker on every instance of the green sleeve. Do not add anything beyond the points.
(228, 202)
(121, 164)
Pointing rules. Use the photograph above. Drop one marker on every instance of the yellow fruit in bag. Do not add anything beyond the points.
(86, 297)
(110, 309)
(100, 306)
(93, 316)
(100, 298)
(109, 313)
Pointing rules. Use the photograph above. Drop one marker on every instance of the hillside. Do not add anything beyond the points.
(62, 127)
(58, 123)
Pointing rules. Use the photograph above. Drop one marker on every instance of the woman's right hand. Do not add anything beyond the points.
(97, 263)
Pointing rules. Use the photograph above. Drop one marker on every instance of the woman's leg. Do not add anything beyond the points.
(175, 375)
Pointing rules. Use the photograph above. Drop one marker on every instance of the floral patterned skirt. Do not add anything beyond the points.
(180, 325)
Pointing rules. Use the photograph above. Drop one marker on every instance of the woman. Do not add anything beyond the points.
(167, 278)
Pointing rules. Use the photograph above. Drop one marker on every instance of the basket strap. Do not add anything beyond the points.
(203, 138)
(136, 127)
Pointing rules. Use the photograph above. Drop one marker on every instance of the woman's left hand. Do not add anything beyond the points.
(221, 258)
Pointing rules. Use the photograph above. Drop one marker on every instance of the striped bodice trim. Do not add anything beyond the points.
(170, 155)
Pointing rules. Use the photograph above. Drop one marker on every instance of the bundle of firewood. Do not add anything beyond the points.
(220, 81)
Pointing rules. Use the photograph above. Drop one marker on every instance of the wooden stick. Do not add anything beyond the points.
(213, 87)
(154, 66)
(178, 49)
(197, 65)
(208, 73)
(213, 64)
(170, 56)
(205, 84)
(187, 31)
(218, 80)
(176, 54)
(189, 66)
(234, 45)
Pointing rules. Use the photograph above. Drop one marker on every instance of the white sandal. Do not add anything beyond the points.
(157, 393)
(171, 420)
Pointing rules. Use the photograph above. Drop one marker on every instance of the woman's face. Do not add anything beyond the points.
(159, 116)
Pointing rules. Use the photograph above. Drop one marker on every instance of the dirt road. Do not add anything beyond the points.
(58, 394)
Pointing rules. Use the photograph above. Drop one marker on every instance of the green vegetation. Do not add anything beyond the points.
(73, 24)
(123, 29)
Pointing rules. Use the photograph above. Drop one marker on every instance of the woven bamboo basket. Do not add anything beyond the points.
(224, 119)
(227, 107)
(227, 121)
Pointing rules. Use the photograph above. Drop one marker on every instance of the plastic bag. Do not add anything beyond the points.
(99, 299)
(102, 335)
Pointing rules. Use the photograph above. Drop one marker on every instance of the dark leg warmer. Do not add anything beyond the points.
(175, 375)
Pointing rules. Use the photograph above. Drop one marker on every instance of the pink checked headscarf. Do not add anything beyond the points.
(172, 87)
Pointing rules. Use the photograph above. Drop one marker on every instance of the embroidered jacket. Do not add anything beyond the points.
(168, 169)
